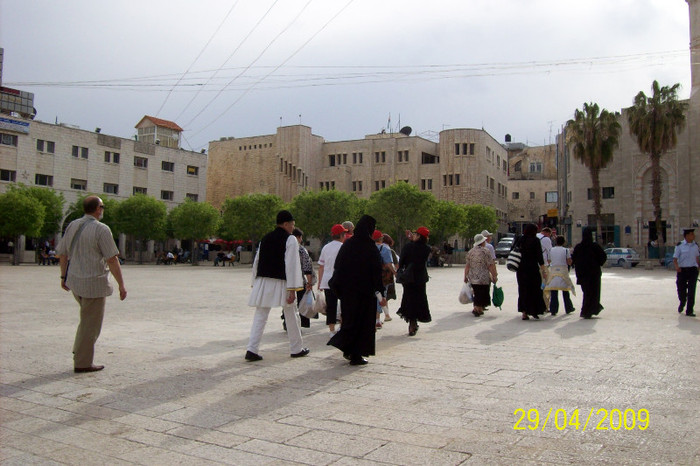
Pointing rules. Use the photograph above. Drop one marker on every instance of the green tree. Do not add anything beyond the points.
(593, 136)
(20, 214)
(53, 207)
(194, 220)
(109, 218)
(655, 121)
(477, 219)
(249, 216)
(317, 211)
(399, 207)
(449, 220)
(143, 217)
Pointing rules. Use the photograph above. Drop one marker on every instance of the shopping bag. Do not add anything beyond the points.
(466, 296)
(306, 305)
(513, 261)
(497, 298)
(320, 304)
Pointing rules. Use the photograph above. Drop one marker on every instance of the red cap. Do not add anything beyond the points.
(338, 229)
(423, 232)
(377, 234)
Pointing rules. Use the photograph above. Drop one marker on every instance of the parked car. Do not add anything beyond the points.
(504, 246)
(620, 256)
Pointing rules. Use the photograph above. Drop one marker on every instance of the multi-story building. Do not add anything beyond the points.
(466, 166)
(75, 162)
(532, 182)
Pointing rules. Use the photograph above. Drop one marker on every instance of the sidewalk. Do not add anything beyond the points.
(176, 389)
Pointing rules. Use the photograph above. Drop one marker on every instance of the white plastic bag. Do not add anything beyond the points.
(320, 304)
(466, 296)
(306, 305)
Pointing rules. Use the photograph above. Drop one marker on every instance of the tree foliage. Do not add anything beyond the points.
(449, 220)
(317, 211)
(194, 220)
(20, 214)
(399, 207)
(655, 122)
(477, 219)
(53, 207)
(593, 136)
(143, 217)
(249, 216)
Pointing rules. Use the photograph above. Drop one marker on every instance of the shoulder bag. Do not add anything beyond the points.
(513, 261)
(405, 275)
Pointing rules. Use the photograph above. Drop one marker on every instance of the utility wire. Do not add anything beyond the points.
(197, 58)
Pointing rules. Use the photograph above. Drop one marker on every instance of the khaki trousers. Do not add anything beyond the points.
(92, 311)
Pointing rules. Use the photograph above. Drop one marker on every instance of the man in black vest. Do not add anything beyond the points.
(276, 279)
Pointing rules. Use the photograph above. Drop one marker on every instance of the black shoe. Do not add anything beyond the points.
(300, 354)
(680, 308)
(570, 311)
(358, 361)
(250, 356)
(692, 314)
(554, 313)
(93, 368)
(536, 317)
(347, 356)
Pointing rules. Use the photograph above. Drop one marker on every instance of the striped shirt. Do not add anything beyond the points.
(88, 274)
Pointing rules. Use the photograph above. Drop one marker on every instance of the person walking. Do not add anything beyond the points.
(414, 302)
(388, 272)
(480, 271)
(588, 258)
(686, 259)
(277, 277)
(357, 281)
(530, 274)
(89, 246)
(489, 246)
(558, 277)
(326, 268)
(307, 271)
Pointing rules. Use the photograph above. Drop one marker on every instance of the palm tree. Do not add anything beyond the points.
(593, 136)
(655, 121)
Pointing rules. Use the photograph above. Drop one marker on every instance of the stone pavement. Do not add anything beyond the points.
(176, 389)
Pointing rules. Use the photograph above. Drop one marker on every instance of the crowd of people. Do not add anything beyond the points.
(357, 275)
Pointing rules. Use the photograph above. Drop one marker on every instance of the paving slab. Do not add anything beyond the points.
(620, 389)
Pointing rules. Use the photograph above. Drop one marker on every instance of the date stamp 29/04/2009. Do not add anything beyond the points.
(596, 419)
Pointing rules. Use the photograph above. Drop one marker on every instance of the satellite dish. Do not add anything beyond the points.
(406, 130)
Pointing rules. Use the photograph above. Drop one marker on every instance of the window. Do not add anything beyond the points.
(518, 166)
(422, 185)
(516, 195)
(551, 196)
(192, 196)
(139, 190)
(43, 180)
(471, 148)
(81, 152)
(167, 166)
(429, 158)
(590, 193)
(111, 157)
(8, 139)
(532, 195)
(359, 158)
(331, 160)
(166, 195)
(426, 184)
(492, 184)
(192, 170)
(609, 192)
(535, 167)
(403, 156)
(345, 159)
(456, 148)
(141, 162)
(457, 179)
(357, 186)
(45, 146)
(8, 175)
(111, 188)
(381, 184)
(78, 184)
(450, 179)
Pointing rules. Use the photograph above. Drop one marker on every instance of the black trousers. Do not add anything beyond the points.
(686, 282)
(554, 302)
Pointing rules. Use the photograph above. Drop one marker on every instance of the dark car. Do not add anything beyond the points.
(504, 246)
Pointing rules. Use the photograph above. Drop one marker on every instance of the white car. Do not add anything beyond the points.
(621, 256)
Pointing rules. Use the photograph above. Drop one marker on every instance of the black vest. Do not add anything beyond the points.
(271, 257)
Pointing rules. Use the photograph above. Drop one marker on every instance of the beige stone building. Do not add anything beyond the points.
(75, 162)
(466, 165)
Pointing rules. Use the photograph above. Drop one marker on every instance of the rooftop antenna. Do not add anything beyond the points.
(300, 118)
(280, 122)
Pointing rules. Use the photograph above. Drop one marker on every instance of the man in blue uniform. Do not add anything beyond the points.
(686, 259)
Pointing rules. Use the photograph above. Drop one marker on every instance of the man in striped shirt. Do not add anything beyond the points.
(89, 245)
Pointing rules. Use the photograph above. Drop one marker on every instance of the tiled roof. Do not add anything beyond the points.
(160, 122)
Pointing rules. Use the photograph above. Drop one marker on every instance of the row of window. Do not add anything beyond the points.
(466, 148)
(357, 158)
(535, 167)
(296, 174)
(549, 196)
(8, 139)
(254, 146)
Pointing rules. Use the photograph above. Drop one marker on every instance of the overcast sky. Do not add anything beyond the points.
(342, 67)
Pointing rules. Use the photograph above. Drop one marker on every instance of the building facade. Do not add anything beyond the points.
(466, 166)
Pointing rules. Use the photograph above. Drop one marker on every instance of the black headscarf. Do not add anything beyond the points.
(588, 257)
(358, 267)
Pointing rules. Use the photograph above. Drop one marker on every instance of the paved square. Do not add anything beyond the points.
(176, 389)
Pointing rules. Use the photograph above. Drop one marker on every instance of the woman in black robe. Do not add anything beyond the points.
(530, 295)
(588, 258)
(357, 278)
(414, 302)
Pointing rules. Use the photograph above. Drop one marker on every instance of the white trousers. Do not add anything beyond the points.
(291, 317)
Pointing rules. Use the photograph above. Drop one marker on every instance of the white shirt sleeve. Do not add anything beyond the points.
(292, 265)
